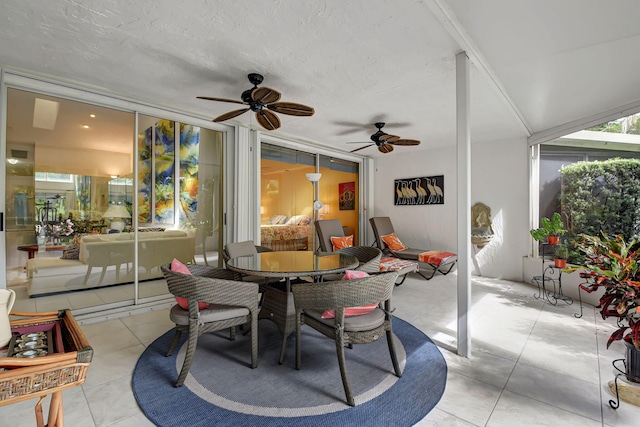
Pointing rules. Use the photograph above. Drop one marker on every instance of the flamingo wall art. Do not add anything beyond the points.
(427, 190)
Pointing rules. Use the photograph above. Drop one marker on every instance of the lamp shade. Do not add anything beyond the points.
(314, 177)
(116, 211)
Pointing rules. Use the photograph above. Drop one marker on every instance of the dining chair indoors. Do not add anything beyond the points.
(214, 303)
(438, 260)
(312, 299)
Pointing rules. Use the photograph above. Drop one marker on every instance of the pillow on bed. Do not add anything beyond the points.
(278, 219)
(299, 220)
(342, 242)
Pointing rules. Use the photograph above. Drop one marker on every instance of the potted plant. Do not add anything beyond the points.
(550, 229)
(614, 265)
(562, 253)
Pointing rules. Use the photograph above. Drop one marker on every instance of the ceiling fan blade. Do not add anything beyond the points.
(265, 94)
(386, 148)
(361, 148)
(208, 98)
(230, 115)
(268, 120)
(389, 138)
(405, 142)
(291, 108)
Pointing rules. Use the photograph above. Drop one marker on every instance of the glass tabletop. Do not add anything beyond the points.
(289, 263)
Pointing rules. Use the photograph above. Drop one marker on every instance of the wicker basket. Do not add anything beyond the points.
(24, 378)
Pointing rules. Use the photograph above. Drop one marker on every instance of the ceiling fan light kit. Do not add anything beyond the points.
(264, 102)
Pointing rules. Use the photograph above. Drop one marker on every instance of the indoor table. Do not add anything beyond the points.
(278, 301)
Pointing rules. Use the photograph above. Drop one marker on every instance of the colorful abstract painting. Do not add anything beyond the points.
(347, 196)
(189, 149)
(164, 161)
(144, 175)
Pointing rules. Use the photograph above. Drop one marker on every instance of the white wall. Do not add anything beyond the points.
(499, 179)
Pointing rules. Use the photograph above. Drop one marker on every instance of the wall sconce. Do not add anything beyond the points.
(262, 210)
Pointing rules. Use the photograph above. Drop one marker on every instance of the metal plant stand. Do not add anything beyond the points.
(621, 372)
(547, 279)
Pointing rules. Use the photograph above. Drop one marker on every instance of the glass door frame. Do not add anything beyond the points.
(365, 179)
(23, 81)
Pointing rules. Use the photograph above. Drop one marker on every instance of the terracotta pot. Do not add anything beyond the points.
(553, 240)
(560, 263)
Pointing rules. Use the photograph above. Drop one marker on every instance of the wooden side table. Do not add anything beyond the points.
(32, 249)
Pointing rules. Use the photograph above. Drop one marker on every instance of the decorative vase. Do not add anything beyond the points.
(632, 362)
(553, 240)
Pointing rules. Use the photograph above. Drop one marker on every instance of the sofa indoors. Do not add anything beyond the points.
(107, 259)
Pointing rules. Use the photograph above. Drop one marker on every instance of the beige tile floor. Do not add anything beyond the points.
(532, 364)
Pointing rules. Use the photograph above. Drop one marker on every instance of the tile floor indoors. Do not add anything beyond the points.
(533, 364)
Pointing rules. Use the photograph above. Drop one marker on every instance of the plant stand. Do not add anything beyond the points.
(630, 392)
(547, 280)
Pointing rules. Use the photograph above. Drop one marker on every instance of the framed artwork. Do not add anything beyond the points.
(347, 196)
(426, 190)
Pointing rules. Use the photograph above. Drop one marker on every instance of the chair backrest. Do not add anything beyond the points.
(236, 249)
(381, 226)
(341, 294)
(326, 229)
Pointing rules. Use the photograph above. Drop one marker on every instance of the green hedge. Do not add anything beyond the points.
(601, 196)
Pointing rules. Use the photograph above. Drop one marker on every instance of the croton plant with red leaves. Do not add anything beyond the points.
(613, 263)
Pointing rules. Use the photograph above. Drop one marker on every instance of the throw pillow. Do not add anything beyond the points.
(342, 242)
(71, 252)
(392, 241)
(278, 219)
(299, 220)
(179, 267)
(352, 311)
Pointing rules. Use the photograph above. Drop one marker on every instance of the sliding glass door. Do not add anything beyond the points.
(83, 185)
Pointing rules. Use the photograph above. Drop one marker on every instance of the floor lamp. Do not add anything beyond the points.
(317, 204)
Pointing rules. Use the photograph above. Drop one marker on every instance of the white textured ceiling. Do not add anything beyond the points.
(356, 62)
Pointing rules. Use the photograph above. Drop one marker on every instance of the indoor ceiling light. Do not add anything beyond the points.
(85, 126)
(45, 114)
(92, 115)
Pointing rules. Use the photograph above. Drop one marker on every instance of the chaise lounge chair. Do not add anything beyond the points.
(438, 260)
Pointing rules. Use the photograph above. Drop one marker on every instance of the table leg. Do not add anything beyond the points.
(278, 307)
(55, 410)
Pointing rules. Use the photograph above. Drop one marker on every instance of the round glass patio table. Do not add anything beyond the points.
(277, 305)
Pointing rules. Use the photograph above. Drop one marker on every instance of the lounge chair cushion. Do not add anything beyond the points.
(435, 257)
(342, 242)
(179, 267)
(393, 242)
(402, 266)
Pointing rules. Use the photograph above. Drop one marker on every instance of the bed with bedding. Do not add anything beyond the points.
(286, 234)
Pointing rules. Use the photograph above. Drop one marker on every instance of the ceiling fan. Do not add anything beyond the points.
(384, 141)
(264, 102)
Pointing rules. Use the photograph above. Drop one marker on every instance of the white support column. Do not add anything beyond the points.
(463, 142)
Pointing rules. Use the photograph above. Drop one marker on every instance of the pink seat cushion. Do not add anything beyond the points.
(435, 257)
(179, 267)
(352, 311)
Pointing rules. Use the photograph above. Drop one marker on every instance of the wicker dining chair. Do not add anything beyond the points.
(231, 303)
(311, 299)
(246, 248)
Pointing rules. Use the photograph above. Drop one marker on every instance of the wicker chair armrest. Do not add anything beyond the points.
(344, 293)
(212, 272)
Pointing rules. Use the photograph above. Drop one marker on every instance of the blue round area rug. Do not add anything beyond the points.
(222, 389)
